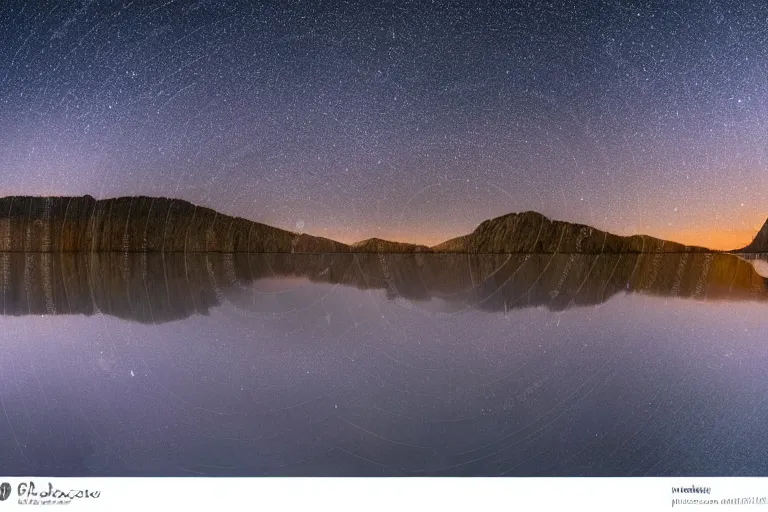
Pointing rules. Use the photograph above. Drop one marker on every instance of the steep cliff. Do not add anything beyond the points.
(760, 243)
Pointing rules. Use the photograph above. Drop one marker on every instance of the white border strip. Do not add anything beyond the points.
(385, 494)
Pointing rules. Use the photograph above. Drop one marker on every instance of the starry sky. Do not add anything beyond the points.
(412, 121)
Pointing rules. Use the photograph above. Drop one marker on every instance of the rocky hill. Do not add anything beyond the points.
(531, 232)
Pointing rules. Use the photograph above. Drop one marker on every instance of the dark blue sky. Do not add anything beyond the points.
(406, 120)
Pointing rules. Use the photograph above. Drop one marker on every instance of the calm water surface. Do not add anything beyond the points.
(341, 365)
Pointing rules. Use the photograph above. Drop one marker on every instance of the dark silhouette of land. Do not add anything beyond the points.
(147, 224)
(760, 243)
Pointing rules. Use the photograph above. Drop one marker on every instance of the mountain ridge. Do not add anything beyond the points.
(159, 224)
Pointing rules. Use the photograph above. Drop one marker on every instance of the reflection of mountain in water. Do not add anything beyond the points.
(156, 288)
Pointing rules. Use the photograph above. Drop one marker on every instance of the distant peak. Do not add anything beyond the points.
(370, 241)
(380, 241)
(529, 214)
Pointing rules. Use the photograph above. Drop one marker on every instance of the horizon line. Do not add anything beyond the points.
(399, 241)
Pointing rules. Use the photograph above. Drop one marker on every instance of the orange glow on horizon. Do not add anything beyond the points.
(717, 240)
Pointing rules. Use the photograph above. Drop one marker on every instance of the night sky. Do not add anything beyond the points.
(412, 121)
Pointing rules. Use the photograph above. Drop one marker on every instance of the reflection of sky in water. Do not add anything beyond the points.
(761, 267)
(291, 378)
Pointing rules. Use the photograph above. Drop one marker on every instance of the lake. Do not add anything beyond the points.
(382, 365)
